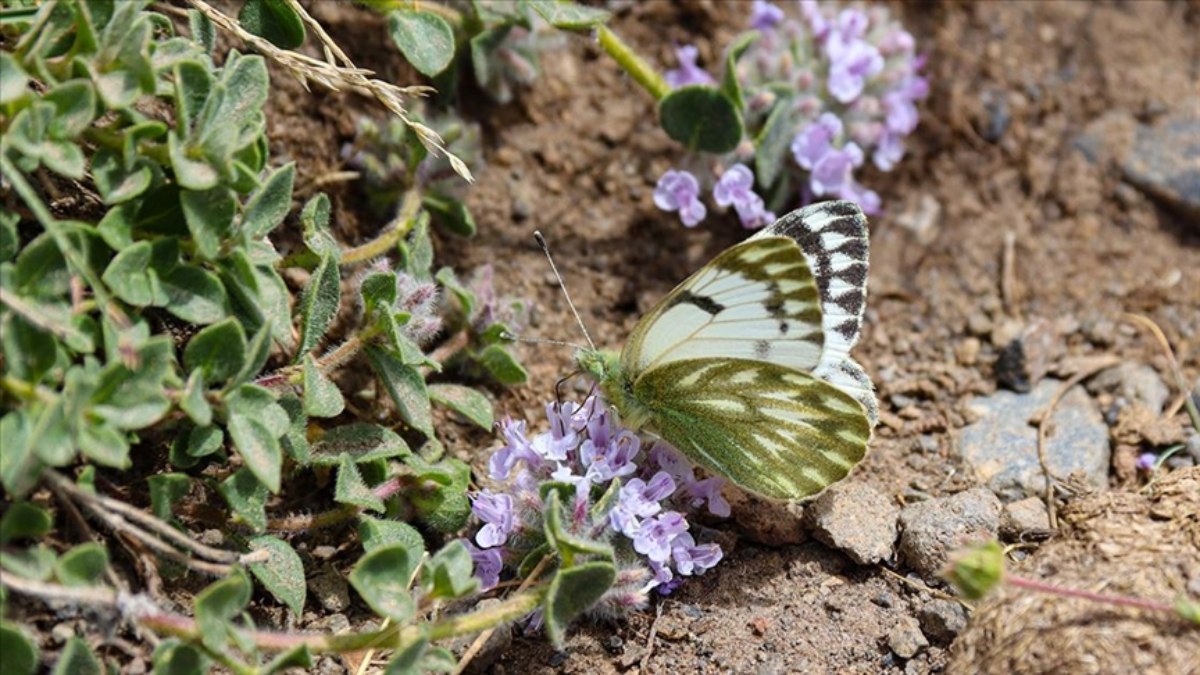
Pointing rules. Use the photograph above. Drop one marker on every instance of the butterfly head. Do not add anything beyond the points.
(602, 365)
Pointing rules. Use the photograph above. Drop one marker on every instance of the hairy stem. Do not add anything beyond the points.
(635, 65)
(1122, 600)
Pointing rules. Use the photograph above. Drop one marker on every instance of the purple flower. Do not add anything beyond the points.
(708, 490)
(516, 448)
(736, 187)
(832, 171)
(680, 191)
(888, 151)
(811, 12)
(764, 15)
(687, 72)
(496, 511)
(850, 69)
(867, 199)
(815, 140)
(901, 113)
(654, 537)
(692, 559)
(639, 499)
(488, 563)
(612, 461)
(1146, 461)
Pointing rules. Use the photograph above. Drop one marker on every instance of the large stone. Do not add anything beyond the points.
(1165, 163)
(1001, 445)
(931, 531)
(856, 519)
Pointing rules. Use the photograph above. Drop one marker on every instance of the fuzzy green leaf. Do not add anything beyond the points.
(20, 652)
(424, 38)
(729, 82)
(269, 205)
(117, 182)
(569, 15)
(322, 398)
(465, 401)
(194, 294)
(375, 533)
(318, 305)
(77, 659)
(83, 565)
(35, 562)
(247, 497)
(75, 108)
(193, 402)
(568, 545)
(104, 445)
(502, 366)
(406, 386)
(378, 290)
(773, 141)
(282, 574)
(203, 31)
(166, 490)
(701, 118)
(24, 520)
(218, 351)
(193, 172)
(352, 489)
(416, 251)
(382, 577)
(362, 442)
(209, 216)
(452, 213)
(13, 80)
(314, 219)
(295, 441)
(130, 277)
(441, 500)
(259, 449)
(273, 20)
(451, 573)
(172, 657)
(572, 592)
(217, 604)
(19, 466)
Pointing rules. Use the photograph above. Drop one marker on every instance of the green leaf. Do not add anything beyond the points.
(35, 562)
(209, 216)
(416, 251)
(701, 118)
(441, 496)
(130, 277)
(572, 592)
(247, 497)
(194, 294)
(362, 442)
(217, 604)
(270, 203)
(194, 172)
(729, 82)
(351, 489)
(13, 80)
(172, 657)
(218, 351)
(424, 38)
(24, 520)
(166, 490)
(322, 398)
(407, 661)
(378, 292)
(465, 401)
(451, 573)
(282, 574)
(77, 659)
(452, 214)
(51, 435)
(375, 533)
(569, 15)
(567, 545)
(295, 441)
(83, 565)
(75, 108)
(20, 653)
(502, 366)
(259, 449)
(773, 142)
(203, 31)
(314, 219)
(118, 182)
(204, 441)
(274, 20)
(19, 466)
(10, 241)
(104, 445)
(318, 304)
(257, 353)
(382, 578)
(193, 401)
(406, 386)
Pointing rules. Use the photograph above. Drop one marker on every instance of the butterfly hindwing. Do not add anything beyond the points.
(757, 300)
(774, 431)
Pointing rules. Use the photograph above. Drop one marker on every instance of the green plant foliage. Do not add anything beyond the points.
(424, 38)
(24, 520)
(274, 20)
(20, 652)
(572, 592)
(448, 573)
(217, 604)
(173, 657)
(383, 577)
(701, 118)
(77, 659)
(283, 572)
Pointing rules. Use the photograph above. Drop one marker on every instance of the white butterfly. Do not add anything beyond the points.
(745, 367)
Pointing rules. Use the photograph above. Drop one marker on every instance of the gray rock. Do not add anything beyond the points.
(942, 620)
(1165, 163)
(931, 531)
(1024, 518)
(856, 519)
(1001, 444)
(330, 589)
(906, 639)
(1134, 382)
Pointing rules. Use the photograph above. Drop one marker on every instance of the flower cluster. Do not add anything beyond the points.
(632, 497)
(849, 81)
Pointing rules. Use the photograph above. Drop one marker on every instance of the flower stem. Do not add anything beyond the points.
(1122, 600)
(404, 221)
(633, 64)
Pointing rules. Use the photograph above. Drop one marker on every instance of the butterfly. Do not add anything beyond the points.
(745, 367)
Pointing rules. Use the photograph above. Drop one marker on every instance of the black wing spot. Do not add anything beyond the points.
(762, 349)
(702, 301)
(783, 327)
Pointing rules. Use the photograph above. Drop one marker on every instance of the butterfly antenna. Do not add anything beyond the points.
(554, 268)
(506, 335)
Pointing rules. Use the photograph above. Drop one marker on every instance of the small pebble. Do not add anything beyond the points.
(942, 620)
(906, 639)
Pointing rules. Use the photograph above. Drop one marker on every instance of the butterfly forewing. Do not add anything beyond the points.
(774, 431)
(757, 300)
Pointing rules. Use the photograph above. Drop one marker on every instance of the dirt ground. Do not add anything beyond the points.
(996, 157)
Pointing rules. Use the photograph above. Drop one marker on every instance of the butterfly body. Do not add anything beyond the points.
(745, 366)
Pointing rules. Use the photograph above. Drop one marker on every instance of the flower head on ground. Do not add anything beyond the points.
(634, 495)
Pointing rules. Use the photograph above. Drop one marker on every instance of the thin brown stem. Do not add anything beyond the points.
(1122, 600)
